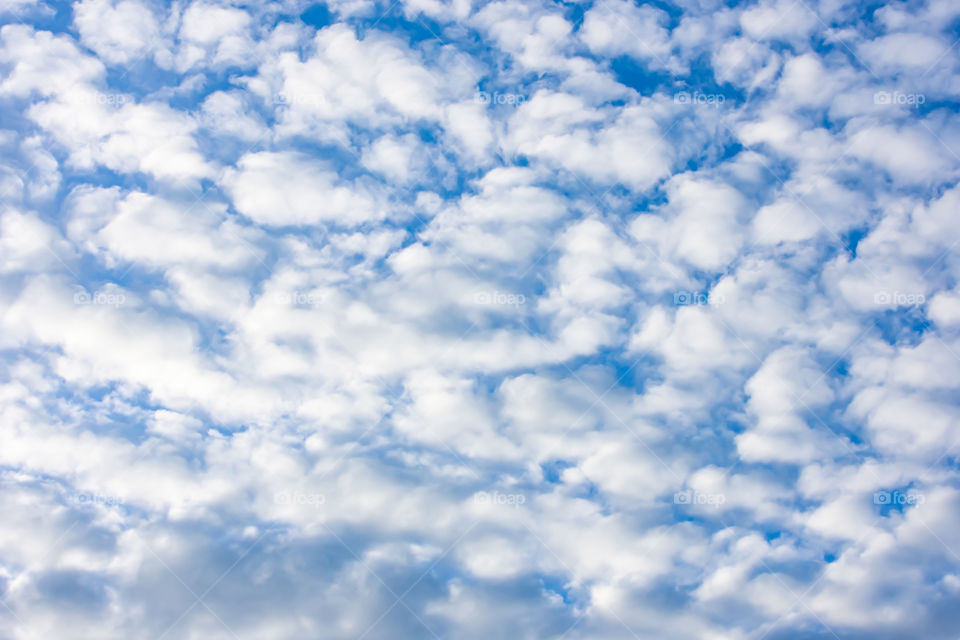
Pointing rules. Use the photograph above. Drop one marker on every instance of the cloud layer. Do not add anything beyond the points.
(430, 319)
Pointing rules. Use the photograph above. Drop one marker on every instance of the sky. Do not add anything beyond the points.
(369, 320)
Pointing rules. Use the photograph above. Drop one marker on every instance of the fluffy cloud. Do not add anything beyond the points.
(277, 189)
(478, 319)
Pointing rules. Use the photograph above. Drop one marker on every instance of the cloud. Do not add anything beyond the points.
(118, 32)
(278, 189)
(500, 319)
(143, 228)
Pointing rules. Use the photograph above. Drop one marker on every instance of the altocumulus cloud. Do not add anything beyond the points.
(371, 320)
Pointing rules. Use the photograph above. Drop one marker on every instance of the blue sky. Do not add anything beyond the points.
(423, 319)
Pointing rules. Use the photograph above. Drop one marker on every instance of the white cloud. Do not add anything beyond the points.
(29, 244)
(277, 189)
(560, 129)
(614, 28)
(117, 31)
(158, 233)
(331, 304)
